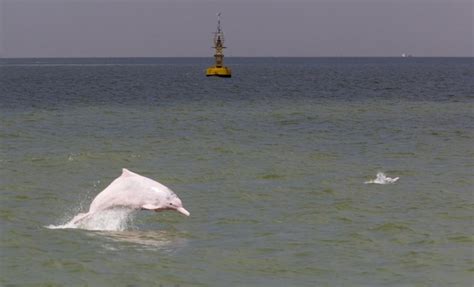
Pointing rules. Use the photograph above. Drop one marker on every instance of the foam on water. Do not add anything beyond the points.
(118, 219)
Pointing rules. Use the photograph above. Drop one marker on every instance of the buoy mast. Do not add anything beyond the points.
(219, 69)
(219, 43)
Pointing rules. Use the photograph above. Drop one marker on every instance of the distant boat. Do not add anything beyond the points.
(407, 55)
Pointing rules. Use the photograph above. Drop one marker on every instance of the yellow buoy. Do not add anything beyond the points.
(219, 70)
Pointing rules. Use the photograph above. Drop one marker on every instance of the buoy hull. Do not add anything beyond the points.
(223, 72)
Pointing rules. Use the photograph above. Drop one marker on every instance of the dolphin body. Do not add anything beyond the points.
(131, 190)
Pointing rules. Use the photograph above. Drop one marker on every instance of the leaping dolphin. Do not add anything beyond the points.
(131, 190)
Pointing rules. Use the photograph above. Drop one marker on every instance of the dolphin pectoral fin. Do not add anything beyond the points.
(80, 217)
(150, 206)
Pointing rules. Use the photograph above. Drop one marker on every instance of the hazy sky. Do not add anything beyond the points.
(158, 28)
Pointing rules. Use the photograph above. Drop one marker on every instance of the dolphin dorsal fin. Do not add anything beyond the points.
(126, 173)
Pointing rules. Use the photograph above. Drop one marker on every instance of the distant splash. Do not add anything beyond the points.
(118, 219)
(382, 179)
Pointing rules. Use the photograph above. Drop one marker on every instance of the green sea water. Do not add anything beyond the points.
(271, 164)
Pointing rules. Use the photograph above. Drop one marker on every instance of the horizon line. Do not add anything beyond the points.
(185, 57)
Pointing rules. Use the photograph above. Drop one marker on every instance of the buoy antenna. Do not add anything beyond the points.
(219, 22)
(219, 35)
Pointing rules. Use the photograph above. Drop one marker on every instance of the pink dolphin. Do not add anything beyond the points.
(134, 191)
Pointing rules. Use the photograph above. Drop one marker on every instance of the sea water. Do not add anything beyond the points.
(271, 163)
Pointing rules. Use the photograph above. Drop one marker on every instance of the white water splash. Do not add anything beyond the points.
(117, 219)
(382, 179)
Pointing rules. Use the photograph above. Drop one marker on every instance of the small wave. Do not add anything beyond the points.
(392, 227)
(118, 219)
(272, 176)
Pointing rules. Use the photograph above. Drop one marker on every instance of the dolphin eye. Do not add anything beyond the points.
(171, 203)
